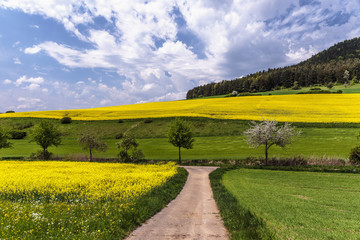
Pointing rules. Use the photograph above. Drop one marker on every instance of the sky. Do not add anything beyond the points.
(70, 54)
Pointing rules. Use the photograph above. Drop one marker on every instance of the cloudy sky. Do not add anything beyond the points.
(67, 54)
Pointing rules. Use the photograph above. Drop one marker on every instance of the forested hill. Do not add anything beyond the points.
(338, 64)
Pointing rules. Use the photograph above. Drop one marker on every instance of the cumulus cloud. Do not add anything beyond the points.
(7, 81)
(32, 81)
(160, 49)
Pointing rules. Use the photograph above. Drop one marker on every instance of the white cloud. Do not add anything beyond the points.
(7, 81)
(29, 103)
(17, 61)
(227, 39)
(32, 50)
(24, 79)
(16, 43)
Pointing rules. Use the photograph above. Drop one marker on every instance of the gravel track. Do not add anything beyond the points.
(192, 215)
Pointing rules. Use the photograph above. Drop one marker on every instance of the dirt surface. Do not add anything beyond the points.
(192, 215)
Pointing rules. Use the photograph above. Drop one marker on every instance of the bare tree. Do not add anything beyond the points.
(268, 133)
(90, 141)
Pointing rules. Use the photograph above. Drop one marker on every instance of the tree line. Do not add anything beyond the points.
(323, 68)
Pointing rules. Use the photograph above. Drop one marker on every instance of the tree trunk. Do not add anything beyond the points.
(266, 154)
(90, 155)
(179, 156)
(44, 153)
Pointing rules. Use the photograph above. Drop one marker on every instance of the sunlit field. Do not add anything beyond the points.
(300, 205)
(68, 200)
(287, 108)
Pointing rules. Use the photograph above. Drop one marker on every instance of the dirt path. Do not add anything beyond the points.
(192, 215)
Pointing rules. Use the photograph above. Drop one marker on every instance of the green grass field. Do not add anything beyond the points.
(214, 139)
(300, 205)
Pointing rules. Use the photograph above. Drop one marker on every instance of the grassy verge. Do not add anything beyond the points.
(300, 205)
(240, 222)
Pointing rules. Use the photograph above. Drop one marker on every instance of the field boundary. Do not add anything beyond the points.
(240, 222)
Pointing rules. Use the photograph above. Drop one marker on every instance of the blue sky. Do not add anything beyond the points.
(80, 54)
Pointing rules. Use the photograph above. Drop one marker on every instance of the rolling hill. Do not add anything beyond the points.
(326, 67)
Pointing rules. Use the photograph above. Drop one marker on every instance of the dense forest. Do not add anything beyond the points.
(338, 64)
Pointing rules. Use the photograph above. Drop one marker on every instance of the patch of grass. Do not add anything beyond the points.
(300, 205)
(239, 221)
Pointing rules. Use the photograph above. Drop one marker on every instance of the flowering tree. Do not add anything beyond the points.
(268, 133)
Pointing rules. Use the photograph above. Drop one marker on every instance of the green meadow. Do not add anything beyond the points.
(214, 139)
(299, 205)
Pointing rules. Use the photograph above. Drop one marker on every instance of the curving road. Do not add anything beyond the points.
(192, 215)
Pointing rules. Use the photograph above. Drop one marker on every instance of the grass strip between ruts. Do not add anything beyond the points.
(154, 201)
(240, 222)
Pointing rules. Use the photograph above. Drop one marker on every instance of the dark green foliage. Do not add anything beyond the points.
(65, 120)
(23, 125)
(240, 222)
(4, 137)
(10, 111)
(128, 151)
(43, 155)
(180, 135)
(46, 134)
(330, 85)
(296, 86)
(354, 157)
(148, 120)
(15, 134)
(90, 141)
(120, 121)
(319, 92)
(119, 136)
(323, 68)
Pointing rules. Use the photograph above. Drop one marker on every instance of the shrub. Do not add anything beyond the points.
(119, 136)
(339, 91)
(147, 121)
(41, 155)
(23, 125)
(17, 134)
(355, 155)
(10, 111)
(65, 120)
(330, 85)
(120, 121)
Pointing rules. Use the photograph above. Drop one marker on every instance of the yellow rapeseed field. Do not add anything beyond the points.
(290, 108)
(80, 180)
(74, 200)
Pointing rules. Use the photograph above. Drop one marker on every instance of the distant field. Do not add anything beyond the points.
(300, 205)
(290, 108)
